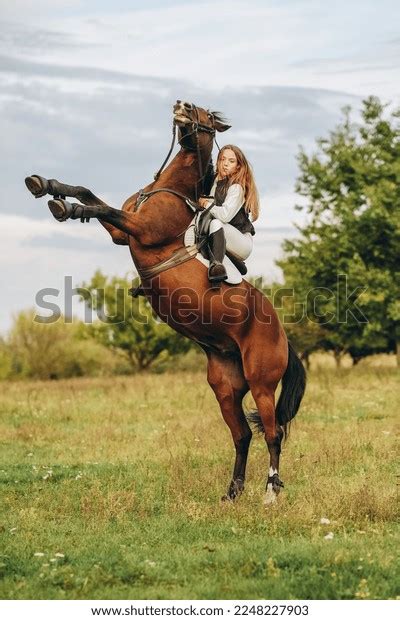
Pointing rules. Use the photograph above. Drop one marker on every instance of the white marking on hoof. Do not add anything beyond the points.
(270, 496)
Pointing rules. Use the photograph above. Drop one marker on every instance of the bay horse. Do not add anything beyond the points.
(236, 325)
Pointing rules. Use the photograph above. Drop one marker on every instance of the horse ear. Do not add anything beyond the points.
(219, 126)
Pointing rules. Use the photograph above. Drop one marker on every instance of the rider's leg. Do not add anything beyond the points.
(216, 246)
(237, 243)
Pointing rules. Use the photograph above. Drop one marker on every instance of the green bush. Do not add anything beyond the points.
(53, 351)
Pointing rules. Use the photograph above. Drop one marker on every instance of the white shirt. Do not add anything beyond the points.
(232, 204)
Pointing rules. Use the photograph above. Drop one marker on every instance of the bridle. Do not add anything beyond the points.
(184, 253)
(196, 127)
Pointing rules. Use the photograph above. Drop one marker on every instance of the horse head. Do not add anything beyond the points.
(196, 125)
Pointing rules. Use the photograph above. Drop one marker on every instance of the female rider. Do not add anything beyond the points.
(236, 200)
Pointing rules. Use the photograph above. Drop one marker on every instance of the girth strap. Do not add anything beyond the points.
(178, 257)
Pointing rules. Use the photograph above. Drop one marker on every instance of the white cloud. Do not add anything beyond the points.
(224, 43)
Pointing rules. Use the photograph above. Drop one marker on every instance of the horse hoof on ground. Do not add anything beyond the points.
(271, 498)
(234, 491)
(37, 185)
(274, 485)
(226, 499)
(60, 209)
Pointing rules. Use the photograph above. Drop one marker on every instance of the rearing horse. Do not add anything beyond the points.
(237, 326)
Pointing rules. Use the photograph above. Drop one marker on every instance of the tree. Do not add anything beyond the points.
(345, 265)
(5, 360)
(129, 325)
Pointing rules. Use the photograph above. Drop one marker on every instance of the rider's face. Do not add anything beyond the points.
(228, 163)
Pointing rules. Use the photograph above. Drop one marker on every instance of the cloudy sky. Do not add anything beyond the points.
(86, 94)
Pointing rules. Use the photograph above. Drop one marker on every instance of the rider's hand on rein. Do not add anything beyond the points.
(204, 202)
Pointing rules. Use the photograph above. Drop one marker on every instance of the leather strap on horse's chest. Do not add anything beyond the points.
(178, 257)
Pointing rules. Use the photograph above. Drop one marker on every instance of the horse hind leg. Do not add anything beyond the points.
(226, 378)
(264, 397)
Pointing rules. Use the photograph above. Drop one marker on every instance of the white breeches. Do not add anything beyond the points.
(239, 244)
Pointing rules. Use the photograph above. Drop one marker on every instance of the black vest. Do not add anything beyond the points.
(241, 221)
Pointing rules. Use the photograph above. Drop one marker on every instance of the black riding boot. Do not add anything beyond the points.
(216, 248)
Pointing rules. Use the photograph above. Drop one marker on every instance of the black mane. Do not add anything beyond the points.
(219, 116)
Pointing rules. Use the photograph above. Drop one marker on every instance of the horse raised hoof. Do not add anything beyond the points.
(235, 490)
(37, 185)
(61, 209)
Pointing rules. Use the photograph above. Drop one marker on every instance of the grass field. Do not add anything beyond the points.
(111, 490)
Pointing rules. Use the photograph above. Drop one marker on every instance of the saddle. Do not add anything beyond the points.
(202, 227)
(196, 238)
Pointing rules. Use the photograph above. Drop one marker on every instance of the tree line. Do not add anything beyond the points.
(341, 272)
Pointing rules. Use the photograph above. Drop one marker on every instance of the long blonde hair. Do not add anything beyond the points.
(244, 177)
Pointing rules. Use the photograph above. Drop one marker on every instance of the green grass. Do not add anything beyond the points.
(123, 477)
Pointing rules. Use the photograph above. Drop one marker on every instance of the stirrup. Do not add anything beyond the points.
(221, 275)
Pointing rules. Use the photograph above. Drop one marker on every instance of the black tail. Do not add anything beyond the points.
(293, 388)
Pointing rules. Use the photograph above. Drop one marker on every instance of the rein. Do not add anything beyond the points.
(197, 126)
(185, 253)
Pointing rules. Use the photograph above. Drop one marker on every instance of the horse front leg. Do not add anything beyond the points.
(123, 221)
(225, 377)
(40, 186)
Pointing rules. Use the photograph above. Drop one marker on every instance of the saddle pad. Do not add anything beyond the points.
(234, 275)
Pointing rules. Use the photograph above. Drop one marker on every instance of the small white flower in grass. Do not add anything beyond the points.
(150, 563)
(39, 554)
(52, 560)
(59, 555)
(329, 536)
(30, 454)
(324, 521)
(78, 476)
(13, 529)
